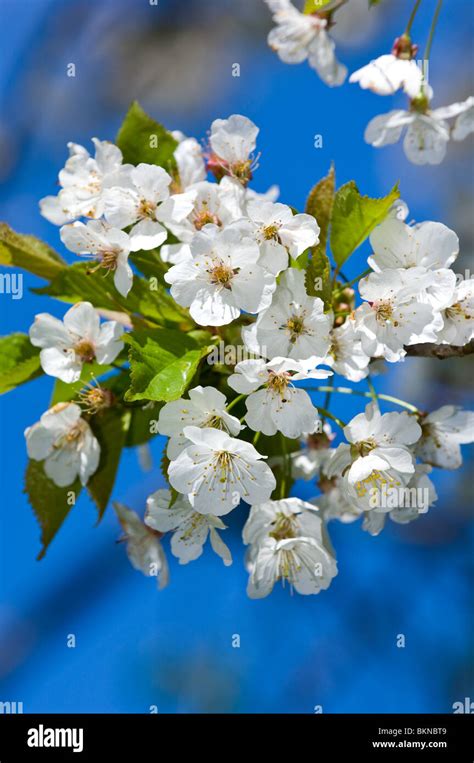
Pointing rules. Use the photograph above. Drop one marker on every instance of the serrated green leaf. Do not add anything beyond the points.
(162, 364)
(19, 361)
(318, 277)
(318, 272)
(141, 428)
(110, 428)
(29, 253)
(142, 139)
(354, 217)
(77, 284)
(50, 503)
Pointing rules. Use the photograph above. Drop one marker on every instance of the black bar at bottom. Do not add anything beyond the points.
(134, 737)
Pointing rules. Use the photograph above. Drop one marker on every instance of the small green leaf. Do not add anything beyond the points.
(318, 272)
(141, 428)
(313, 6)
(374, 2)
(318, 277)
(354, 217)
(162, 364)
(110, 428)
(19, 361)
(50, 503)
(142, 139)
(28, 253)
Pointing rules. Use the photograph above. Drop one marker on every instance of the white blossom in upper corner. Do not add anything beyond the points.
(64, 441)
(299, 36)
(392, 315)
(189, 160)
(294, 326)
(395, 244)
(144, 548)
(190, 529)
(83, 180)
(346, 354)
(206, 407)
(145, 204)
(280, 233)
(279, 406)
(377, 443)
(110, 246)
(458, 315)
(79, 338)
(232, 144)
(388, 73)
(217, 471)
(221, 277)
(428, 132)
(443, 432)
(288, 542)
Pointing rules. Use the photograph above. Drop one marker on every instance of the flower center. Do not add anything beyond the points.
(296, 328)
(222, 275)
(456, 311)
(108, 259)
(384, 311)
(278, 382)
(71, 438)
(283, 527)
(223, 463)
(375, 481)
(242, 171)
(85, 350)
(363, 448)
(205, 217)
(271, 232)
(147, 208)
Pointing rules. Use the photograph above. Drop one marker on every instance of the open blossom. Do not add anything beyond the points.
(64, 441)
(221, 276)
(83, 180)
(388, 73)
(458, 315)
(294, 326)
(205, 408)
(309, 461)
(443, 432)
(232, 142)
(144, 548)
(217, 471)
(300, 36)
(346, 354)
(145, 204)
(79, 338)
(395, 244)
(377, 443)
(288, 542)
(190, 529)
(428, 132)
(278, 406)
(189, 160)
(280, 233)
(109, 246)
(392, 315)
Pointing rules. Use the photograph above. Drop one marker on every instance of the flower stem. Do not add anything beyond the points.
(412, 17)
(285, 469)
(327, 399)
(256, 438)
(373, 393)
(432, 31)
(360, 393)
(354, 280)
(328, 414)
(235, 401)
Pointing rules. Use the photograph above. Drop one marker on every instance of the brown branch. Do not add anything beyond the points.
(440, 351)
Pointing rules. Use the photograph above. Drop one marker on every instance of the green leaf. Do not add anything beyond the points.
(318, 277)
(354, 217)
(110, 428)
(318, 272)
(374, 2)
(29, 253)
(142, 139)
(19, 361)
(313, 6)
(141, 428)
(76, 284)
(50, 503)
(162, 364)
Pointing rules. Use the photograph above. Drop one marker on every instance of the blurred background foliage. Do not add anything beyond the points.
(135, 647)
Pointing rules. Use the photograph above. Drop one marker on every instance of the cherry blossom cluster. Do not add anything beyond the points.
(234, 263)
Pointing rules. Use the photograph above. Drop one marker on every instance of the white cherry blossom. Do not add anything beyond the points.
(458, 315)
(221, 276)
(299, 37)
(83, 180)
(278, 406)
(294, 326)
(190, 529)
(443, 432)
(66, 444)
(280, 233)
(395, 244)
(190, 161)
(388, 73)
(205, 408)
(79, 338)
(346, 355)
(110, 246)
(217, 471)
(232, 142)
(464, 124)
(144, 548)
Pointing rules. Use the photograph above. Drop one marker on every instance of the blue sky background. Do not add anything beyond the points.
(136, 647)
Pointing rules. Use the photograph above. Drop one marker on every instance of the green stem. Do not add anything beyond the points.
(327, 414)
(432, 31)
(373, 393)
(235, 401)
(412, 17)
(256, 438)
(354, 280)
(381, 396)
(285, 470)
(327, 399)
